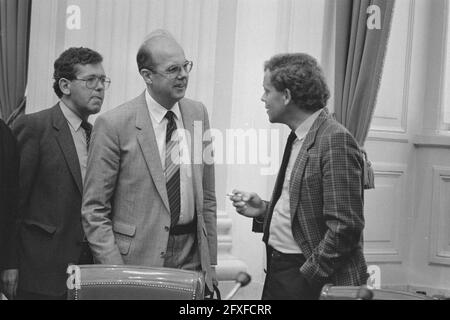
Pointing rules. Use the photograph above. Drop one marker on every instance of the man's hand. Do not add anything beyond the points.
(214, 276)
(248, 204)
(10, 280)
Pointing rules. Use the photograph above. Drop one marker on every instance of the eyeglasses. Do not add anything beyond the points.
(92, 82)
(174, 71)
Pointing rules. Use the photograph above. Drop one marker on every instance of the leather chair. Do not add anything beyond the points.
(109, 282)
(330, 292)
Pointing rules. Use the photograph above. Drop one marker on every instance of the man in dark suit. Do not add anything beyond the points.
(9, 185)
(313, 225)
(53, 148)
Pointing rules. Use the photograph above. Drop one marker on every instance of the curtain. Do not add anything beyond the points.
(14, 39)
(362, 32)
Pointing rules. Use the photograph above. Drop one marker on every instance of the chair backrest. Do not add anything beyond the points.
(108, 282)
(330, 292)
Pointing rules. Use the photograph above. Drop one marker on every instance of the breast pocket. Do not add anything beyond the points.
(124, 234)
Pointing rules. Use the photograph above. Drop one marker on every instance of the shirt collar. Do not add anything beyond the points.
(157, 111)
(71, 117)
(306, 125)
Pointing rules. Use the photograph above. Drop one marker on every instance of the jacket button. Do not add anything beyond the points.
(162, 254)
(167, 228)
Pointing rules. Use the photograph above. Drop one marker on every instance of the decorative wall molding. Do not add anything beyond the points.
(440, 217)
(432, 140)
(434, 83)
(396, 137)
(443, 78)
(383, 206)
(387, 117)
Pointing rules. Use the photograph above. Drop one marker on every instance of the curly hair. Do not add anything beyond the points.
(304, 78)
(65, 65)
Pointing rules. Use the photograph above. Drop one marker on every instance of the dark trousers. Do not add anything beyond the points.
(85, 258)
(86, 254)
(284, 281)
(25, 295)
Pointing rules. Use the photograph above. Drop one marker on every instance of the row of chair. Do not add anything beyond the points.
(92, 282)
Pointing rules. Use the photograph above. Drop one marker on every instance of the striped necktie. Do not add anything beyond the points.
(172, 170)
(87, 127)
(88, 130)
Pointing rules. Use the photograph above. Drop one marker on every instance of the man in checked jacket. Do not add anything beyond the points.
(313, 225)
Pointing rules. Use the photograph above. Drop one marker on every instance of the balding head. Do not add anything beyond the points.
(164, 68)
(158, 42)
(158, 33)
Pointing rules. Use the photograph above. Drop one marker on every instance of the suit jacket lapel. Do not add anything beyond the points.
(188, 123)
(301, 161)
(147, 142)
(67, 145)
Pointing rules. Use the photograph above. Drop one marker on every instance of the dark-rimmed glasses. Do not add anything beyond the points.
(174, 70)
(92, 82)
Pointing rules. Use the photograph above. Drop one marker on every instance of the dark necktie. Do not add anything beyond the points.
(87, 127)
(88, 130)
(279, 182)
(172, 170)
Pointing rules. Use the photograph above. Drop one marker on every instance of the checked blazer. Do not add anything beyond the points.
(326, 204)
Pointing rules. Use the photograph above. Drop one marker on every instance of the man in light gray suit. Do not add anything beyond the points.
(141, 206)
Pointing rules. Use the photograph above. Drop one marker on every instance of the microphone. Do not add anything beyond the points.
(242, 279)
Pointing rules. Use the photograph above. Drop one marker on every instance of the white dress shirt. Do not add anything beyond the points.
(280, 236)
(159, 122)
(78, 135)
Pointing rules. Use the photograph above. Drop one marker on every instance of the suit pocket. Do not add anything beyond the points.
(124, 234)
(38, 244)
(124, 229)
(48, 229)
